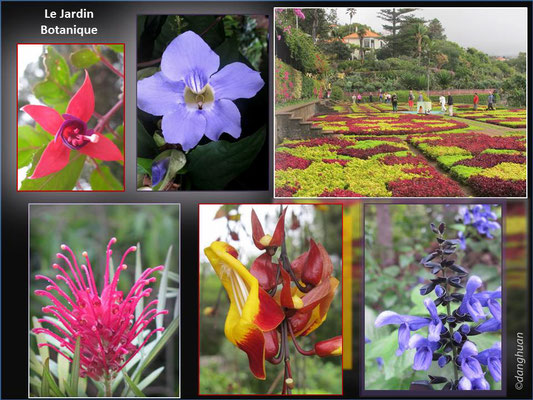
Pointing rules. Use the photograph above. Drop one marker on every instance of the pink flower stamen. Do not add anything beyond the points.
(105, 322)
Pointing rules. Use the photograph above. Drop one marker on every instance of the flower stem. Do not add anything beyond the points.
(104, 119)
(454, 350)
(107, 63)
(107, 384)
(149, 63)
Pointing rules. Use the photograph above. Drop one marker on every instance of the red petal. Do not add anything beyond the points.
(286, 295)
(104, 150)
(271, 344)
(312, 272)
(81, 105)
(257, 231)
(327, 265)
(328, 347)
(279, 232)
(316, 295)
(299, 320)
(270, 314)
(47, 117)
(265, 271)
(54, 158)
(298, 264)
(253, 344)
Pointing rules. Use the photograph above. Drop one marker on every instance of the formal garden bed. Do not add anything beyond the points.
(400, 155)
(515, 118)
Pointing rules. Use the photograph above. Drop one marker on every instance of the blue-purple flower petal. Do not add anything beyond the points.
(464, 384)
(157, 95)
(159, 170)
(189, 58)
(183, 126)
(223, 116)
(236, 81)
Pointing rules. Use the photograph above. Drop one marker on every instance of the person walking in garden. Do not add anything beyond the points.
(411, 100)
(394, 99)
(450, 104)
(353, 98)
(476, 101)
(420, 97)
(388, 98)
(380, 96)
(359, 98)
(490, 102)
(442, 101)
(370, 98)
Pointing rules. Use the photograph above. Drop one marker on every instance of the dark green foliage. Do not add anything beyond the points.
(514, 89)
(337, 93)
(303, 50)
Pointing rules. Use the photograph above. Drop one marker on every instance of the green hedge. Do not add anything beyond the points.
(292, 84)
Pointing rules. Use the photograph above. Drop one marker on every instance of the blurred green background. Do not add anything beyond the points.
(223, 367)
(397, 237)
(85, 227)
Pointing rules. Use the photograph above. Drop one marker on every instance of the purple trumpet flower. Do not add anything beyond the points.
(493, 324)
(476, 384)
(469, 363)
(470, 304)
(486, 296)
(407, 324)
(435, 326)
(194, 97)
(482, 218)
(492, 358)
(424, 351)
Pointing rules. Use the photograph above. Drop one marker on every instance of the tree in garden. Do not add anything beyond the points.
(436, 30)
(276, 301)
(351, 13)
(394, 19)
(420, 34)
(362, 30)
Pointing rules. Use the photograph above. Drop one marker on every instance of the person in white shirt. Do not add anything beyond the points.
(442, 101)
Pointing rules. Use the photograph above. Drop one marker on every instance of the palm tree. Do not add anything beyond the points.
(420, 34)
(351, 12)
(361, 32)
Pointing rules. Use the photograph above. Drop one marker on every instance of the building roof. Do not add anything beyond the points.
(368, 34)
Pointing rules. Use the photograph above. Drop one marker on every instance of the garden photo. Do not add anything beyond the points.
(433, 297)
(70, 133)
(400, 102)
(202, 99)
(104, 300)
(270, 282)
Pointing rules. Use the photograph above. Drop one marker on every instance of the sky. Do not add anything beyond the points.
(496, 31)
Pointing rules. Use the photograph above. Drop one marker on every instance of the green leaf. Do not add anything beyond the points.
(146, 146)
(50, 385)
(57, 69)
(138, 392)
(229, 53)
(146, 72)
(103, 179)
(74, 77)
(150, 378)
(169, 31)
(209, 27)
(62, 371)
(161, 295)
(64, 179)
(214, 165)
(158, 139)
(45, 385)
(28, 142)
(75, 373)
(117, 48)
(41, 339)
(51, 94)
(177, 162)
(84, 58)
(169, 331)
(144, 166)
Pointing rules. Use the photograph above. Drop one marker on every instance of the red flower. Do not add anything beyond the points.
(71, 132)
(496, 187)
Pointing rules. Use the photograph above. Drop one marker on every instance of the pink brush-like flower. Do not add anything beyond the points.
(105, 322)
(71, 132)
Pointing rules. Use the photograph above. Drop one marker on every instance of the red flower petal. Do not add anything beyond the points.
(54, 158)
(279, 232)
(47, 117)
(81, 105)
(329, 347)
(312, 272)
(257, 231)
(104, 150)
(253, 344)
(285, 297)
(271, 344)
(265, 271)
(270, 314)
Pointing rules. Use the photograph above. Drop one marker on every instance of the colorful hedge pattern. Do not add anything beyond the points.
(515, 118)
(492, 166)
(385, 124)
(370, 155)
(358, 167)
